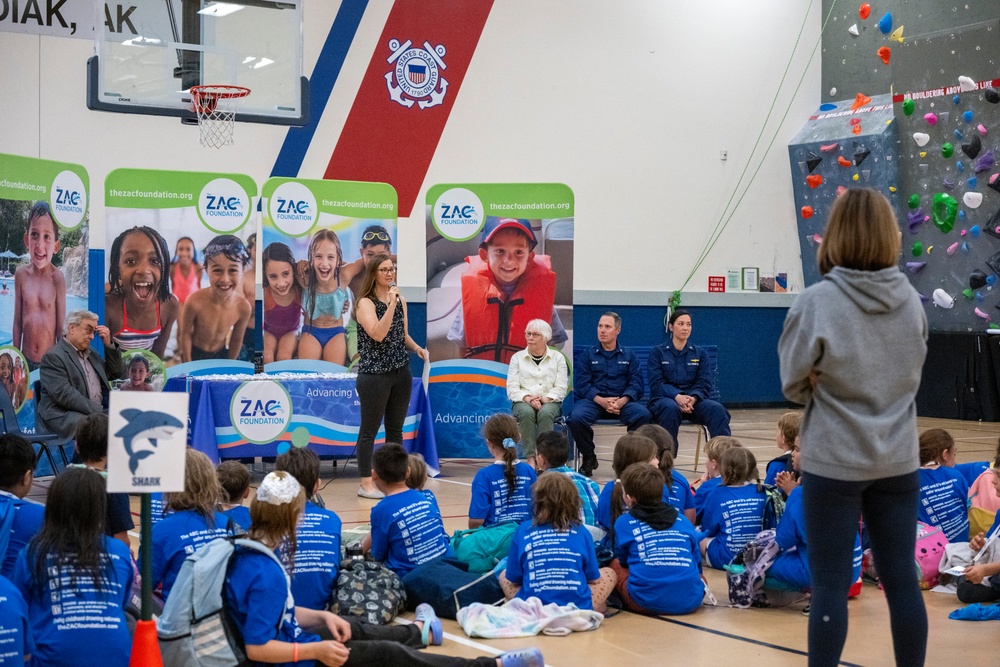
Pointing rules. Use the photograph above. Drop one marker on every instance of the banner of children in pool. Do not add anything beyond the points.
(43, 266)
(174, 296)
(311, 283)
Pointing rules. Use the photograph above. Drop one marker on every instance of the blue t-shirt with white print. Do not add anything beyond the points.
(944, 502)
(553, 565)
(733, 515)
(490, 499)
(701, 494)
(15, 629)
(407, 531)
(317, 557)
(176, 537)
(26, 520)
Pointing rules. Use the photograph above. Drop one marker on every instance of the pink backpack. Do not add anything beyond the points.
(930, 548)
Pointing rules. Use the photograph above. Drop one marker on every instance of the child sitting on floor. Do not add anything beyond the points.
(981, 581)
(234, 478)
(551, 455)
(734, 511)
(658, 562)
(629, 449)
(788, 430)
(677, 490)
(501, 492)
(982, 498)
(944, 493)
(714, 449)
(552, 557)
(417, 477)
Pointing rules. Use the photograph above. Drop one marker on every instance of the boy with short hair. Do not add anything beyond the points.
(657, 554)
(20, 519)
(234, 478)
(213, 311)
(505, 287)
(316, 563)
(551, 455)
(39, 289)
(788, 430)
(92, 450)
(714, 449)
(407, 530)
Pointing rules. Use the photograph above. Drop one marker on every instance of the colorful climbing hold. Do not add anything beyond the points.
(981, 314)
(958, 134)
(945, 211)
(929, 248)
(897, 35)
(967, 116)
(961, 216)
(947, 150)
(982, 129)
(972, 183)
(913, 201)
(994, 182)
(960, 166)
(841, 190)
(923, 153)
(949, 183)
(829, 148)
(892, 188)
(974, 231)
(931, 118)
(977, 279)
(966, 84)
(817, 239)
(855, 121)
(917, 249)
(968, 294)
(843, 161)
(992, 96)
(854, 30)
(908, 106)
(814, 180)
(915, 219)
(943, 299)
(973, 199)
(807, 212)
(885, 24)
(864, 10)
(985, 162)
(884, 53)
(856, 129)
(956, 99)
(990, 279)
(915, 267)
(965, 248)
(972, 148)
(921, 138)
(860, 100)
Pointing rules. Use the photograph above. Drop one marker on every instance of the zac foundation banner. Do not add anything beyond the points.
(44, 243)
(498, 256)
(180, 271)
(317, 237)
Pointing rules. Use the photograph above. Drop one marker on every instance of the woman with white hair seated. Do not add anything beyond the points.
(537, 380)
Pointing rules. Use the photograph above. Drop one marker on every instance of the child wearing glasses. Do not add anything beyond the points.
(324, 299)
(211, 313)
(505, 287)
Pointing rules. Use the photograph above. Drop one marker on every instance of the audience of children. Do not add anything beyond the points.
(657, 557)
(501, 492)
(981, 581)
(734, 511)
(788, 430)
(944, 492)
(195, 521)
(234, 481)
(677, 490)
(714, 449)
(553, 557)
(20, 519)
(552, 455)
(75, 579)
(629, 449)
(92, 451)
(316, 542)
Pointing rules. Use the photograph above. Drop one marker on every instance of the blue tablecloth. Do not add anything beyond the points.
(325, 406)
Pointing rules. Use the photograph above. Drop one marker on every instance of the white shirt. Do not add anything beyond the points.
(550, 378)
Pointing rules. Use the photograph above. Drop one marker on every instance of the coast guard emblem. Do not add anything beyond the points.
(417, 74)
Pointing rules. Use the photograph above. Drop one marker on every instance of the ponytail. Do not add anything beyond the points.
(617, 501)
(501, 433)
(509, 459)
(667, 467)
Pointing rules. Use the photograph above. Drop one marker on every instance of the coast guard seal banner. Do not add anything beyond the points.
(498, 256)
(180, 258)
(44, 243)
(317, 237)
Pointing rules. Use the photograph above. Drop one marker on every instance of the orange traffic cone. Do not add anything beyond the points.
(145, 646)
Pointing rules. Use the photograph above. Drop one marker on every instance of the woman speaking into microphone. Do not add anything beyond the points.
(384, 379)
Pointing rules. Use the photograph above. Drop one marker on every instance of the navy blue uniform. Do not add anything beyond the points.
(671, 372)
(610, 374)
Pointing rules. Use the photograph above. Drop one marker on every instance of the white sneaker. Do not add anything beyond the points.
(374, 494)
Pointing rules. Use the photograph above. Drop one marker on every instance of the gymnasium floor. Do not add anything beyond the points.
(717, 636)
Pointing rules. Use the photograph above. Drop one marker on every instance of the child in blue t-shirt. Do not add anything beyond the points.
(552, 557)
(676, 489)
(501, 492)
(194, 522)
(734, 511)
(417, 476)
(20, 519)
(944, 492)
(657, 558)
(234, 480)
(16, 643)
(710, 480)
(631, 448)
(75, 579)
(788, 430)
(407, 530)
(316, 561)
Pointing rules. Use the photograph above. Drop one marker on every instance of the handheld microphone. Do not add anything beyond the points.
(392, 284)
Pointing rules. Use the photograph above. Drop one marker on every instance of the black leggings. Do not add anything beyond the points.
(381, 395)
(381, 645)
(969, 592)
(889, 507)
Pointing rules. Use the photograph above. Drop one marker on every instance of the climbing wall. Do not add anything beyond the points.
(844, 144)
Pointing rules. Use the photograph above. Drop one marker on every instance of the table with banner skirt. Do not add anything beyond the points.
(323, 413)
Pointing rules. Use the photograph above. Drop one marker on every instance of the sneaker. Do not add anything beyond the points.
(805, 610)
(592, 462)
(374, 494)
(431, 632)
(526, 657)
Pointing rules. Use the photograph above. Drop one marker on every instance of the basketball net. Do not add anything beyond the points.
(216, 107)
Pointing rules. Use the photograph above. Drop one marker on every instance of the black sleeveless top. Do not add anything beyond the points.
(388, 355)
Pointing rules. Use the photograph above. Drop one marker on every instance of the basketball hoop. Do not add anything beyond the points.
(216, 107)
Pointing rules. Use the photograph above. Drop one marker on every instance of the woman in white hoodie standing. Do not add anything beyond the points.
(852, 351)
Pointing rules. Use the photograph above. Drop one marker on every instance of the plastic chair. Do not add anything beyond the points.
(42, 439)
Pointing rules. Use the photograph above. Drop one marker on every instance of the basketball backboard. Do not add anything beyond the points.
(150, 53)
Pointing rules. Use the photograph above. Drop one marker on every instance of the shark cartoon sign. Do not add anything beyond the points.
(146, 444)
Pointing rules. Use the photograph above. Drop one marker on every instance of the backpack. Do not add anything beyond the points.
(931, 544)
(370, 591)
(774, 506)
(745, 575)
(194, 629)
(482, 548)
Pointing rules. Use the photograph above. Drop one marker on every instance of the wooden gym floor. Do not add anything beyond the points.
(717, 636)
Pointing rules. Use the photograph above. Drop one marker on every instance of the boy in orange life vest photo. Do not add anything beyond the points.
(505, 287)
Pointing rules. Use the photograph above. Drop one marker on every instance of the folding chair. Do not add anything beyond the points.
(42, 439)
